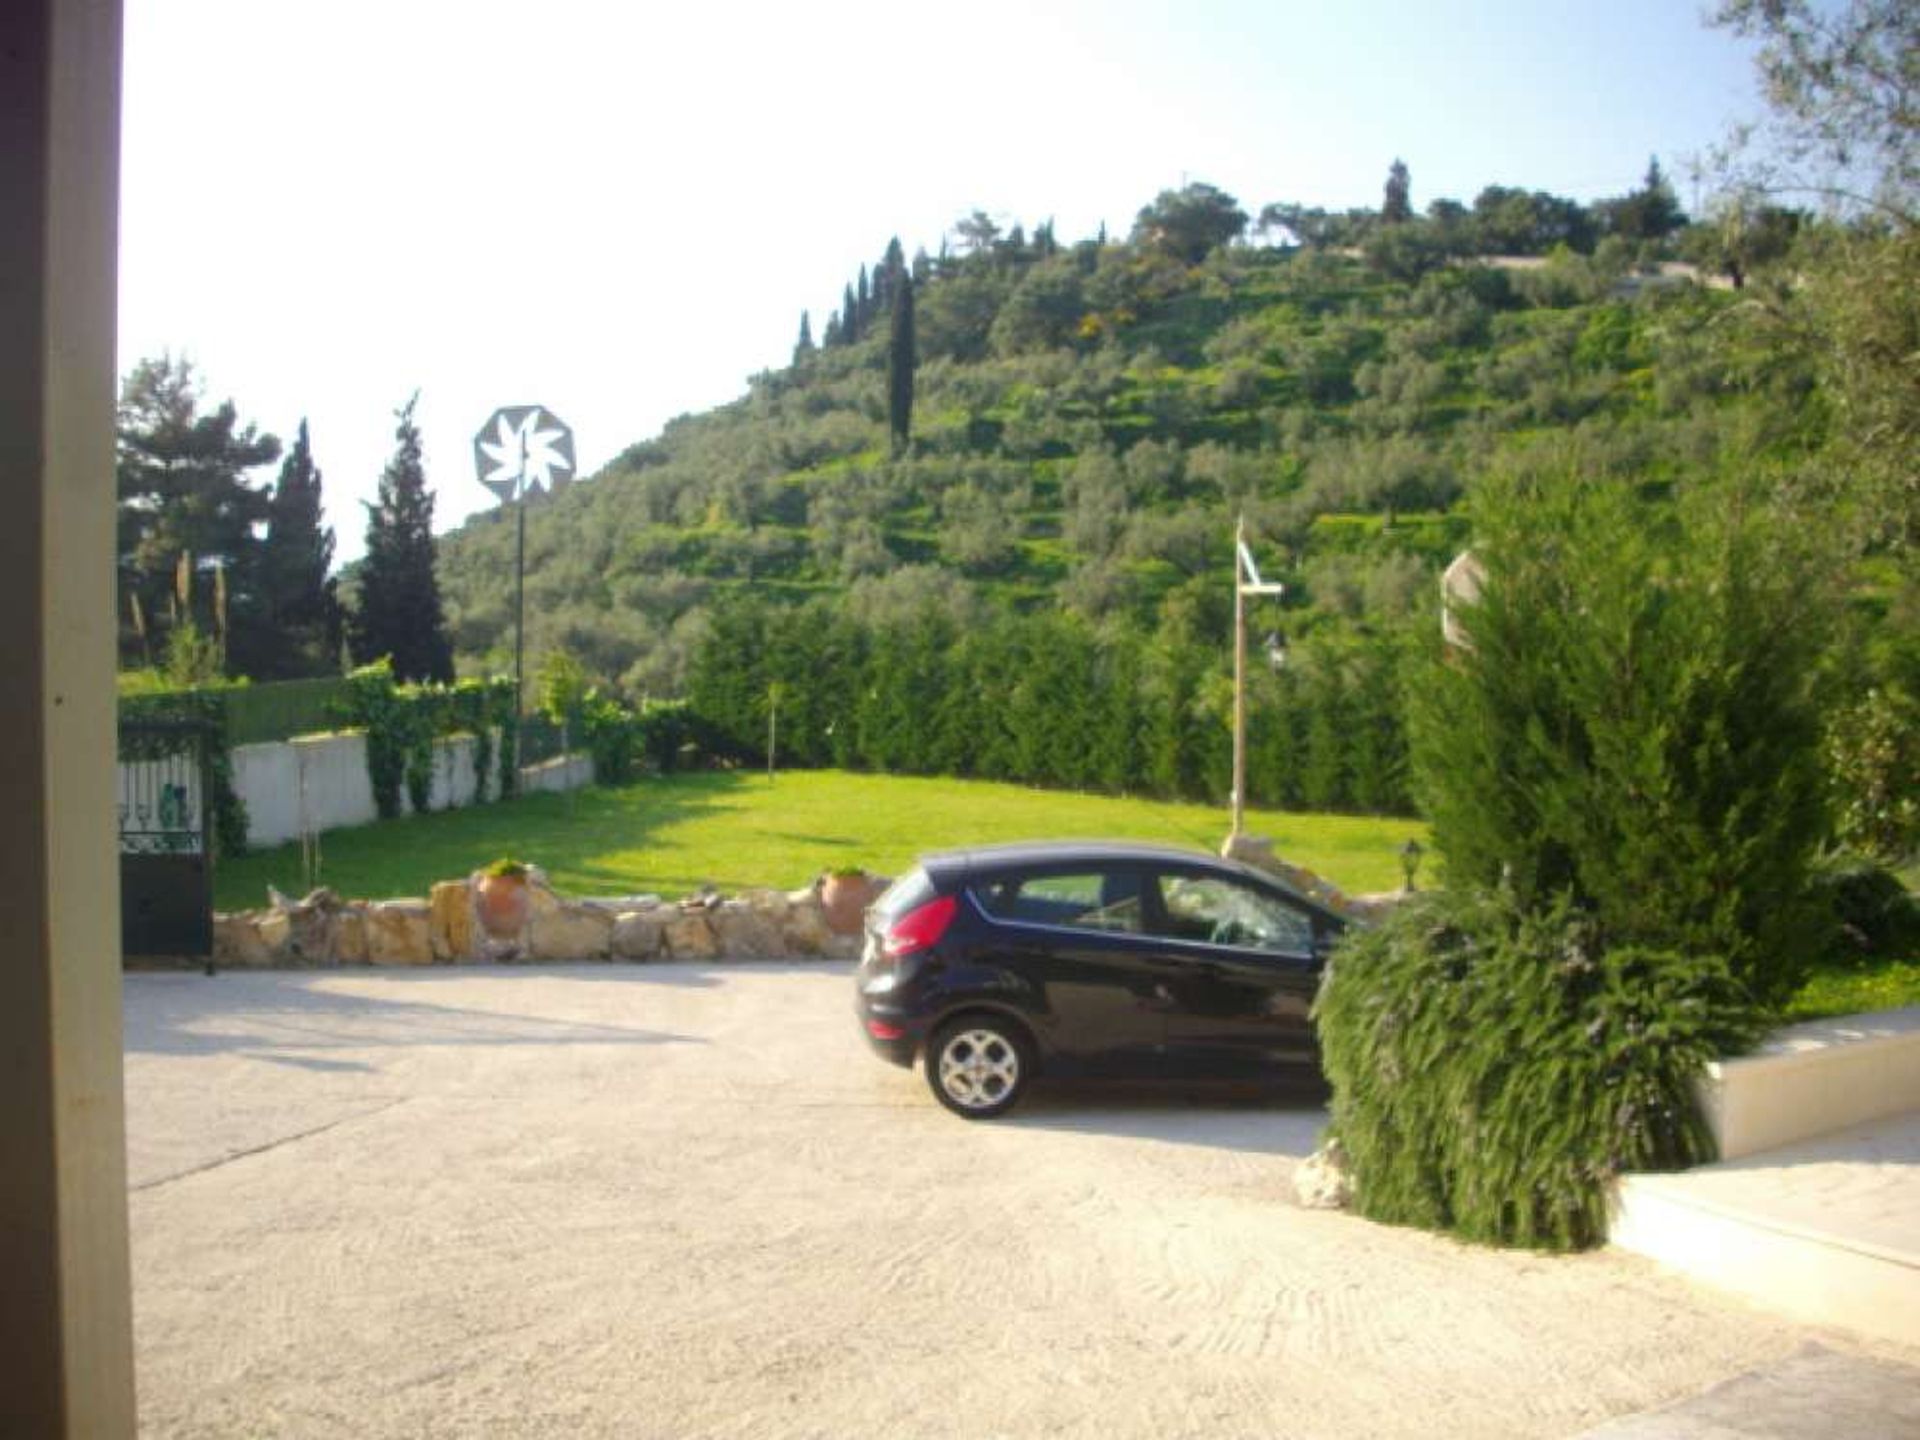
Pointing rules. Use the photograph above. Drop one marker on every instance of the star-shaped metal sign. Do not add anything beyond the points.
(523, 448)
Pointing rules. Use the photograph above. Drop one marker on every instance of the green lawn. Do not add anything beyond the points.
(672, 835)
(1856, 989)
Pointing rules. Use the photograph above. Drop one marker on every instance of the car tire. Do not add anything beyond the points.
(978, 1066)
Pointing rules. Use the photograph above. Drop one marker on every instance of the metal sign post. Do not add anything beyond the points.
(1246, 581)
(521, 450)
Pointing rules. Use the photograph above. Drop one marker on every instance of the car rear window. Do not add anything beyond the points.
(1082, 900)
(909, 892)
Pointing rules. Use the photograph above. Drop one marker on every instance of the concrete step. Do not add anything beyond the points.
(1813, 1079)
(1826, 1230)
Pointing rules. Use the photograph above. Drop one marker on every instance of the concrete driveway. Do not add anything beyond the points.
(677, 1200)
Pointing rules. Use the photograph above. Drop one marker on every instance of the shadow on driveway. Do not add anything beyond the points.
(1256, 1124)
(265, 1017)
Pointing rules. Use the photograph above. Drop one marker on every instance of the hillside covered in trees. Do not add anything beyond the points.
(1087, 420)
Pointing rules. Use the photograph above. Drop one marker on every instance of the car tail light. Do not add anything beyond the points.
(919, 928)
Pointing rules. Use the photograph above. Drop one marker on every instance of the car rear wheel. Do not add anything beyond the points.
(977, 1066)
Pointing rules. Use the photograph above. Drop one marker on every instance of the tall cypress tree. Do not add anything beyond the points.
(399, 614)
(302, 608)
(863, 303)
(849, 318)
(1397, 206)
(900, 367)
(803, 347)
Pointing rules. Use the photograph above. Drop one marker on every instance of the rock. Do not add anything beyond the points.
(1320, 1182)
(275, 929)
(237, 944)
(771, 904)
(637, 935)
(350, 936)
(742, 933)
(451, 921)
(399, 932)
(541, 901)
(842, 947)
(571, 932)
(804, 931)
(688, 936)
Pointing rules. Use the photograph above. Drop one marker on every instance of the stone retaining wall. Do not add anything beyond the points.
(443, 928)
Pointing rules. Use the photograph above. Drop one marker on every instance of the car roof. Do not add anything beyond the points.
(971, 861)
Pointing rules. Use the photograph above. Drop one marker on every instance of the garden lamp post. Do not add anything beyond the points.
(1410, 854)
(1246, 581)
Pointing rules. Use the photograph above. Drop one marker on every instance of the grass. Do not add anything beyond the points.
(671, 835)
(1856, 989)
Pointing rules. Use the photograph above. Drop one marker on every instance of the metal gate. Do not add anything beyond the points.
(166, 848)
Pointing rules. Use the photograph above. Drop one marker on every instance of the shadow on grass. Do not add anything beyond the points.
(285, 1019)
(567, 835)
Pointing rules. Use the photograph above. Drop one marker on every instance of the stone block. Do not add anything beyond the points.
(571, 932)
(741, 932)
(638, 935)
(804, 931)
(237, 944)
(451, 925)
(689, 937)
(350, 936)
(399, 932)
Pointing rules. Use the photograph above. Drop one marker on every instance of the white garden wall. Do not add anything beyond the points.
(319, 782)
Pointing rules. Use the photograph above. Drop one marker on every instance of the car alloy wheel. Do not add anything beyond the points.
(977, 1069)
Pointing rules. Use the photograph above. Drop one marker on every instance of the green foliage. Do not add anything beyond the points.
(397, 615)
(1047, 699)
(1187, 224)
(403, 721)
(901, 360)
(302, 628)
(185, 495)
(1875, 916)
(1873, 755)
(1495, 1066)
(1636, 722)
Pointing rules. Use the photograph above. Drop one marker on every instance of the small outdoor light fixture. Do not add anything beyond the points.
(1410, 854)
(1276, 649)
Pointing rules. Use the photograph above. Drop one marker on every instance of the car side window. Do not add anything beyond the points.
(1106, 900)
(1223, 912)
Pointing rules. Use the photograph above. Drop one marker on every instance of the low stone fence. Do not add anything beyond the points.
(443, 928)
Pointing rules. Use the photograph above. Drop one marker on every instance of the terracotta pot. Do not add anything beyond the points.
(845, 899)
(502, 902)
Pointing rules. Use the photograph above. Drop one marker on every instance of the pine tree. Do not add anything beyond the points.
(849, 317)
(183, 490)
(863, 303)
(900, 360)
(302, 608)
(1397, 208)
(830, 337)
(399, 614)
(803, 347)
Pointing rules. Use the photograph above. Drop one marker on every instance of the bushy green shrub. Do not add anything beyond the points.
(1495, 1066)
(1636, 721)
(1874, 915)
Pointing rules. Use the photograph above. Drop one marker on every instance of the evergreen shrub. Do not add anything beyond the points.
(1636, 721)
(1495, 1066)
(1622, 772)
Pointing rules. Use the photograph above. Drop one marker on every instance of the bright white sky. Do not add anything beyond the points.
(619, 210)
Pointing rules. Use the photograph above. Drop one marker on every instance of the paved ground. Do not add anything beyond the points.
(675, 1201)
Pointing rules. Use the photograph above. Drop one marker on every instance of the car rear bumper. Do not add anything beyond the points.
(891, 1032)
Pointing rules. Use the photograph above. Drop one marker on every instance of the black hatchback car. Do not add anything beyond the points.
(1090, 959)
